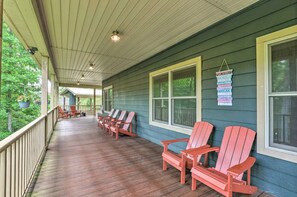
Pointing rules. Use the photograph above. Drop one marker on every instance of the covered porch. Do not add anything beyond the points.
(82, 160)
(141, 73)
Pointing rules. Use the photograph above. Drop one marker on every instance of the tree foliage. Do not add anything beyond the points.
(20, 76)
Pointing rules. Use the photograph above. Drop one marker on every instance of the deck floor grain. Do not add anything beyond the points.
(82, 160)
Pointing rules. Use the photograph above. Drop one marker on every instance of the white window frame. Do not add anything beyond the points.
(182, 65)
(104, 89)
(263, 93)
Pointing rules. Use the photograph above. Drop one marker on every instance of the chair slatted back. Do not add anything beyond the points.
(122, 115)
(116, 113)
(72, 108)
(128, 120)
(235, 148)
(60, 110)
(200, 134)
(111, 112)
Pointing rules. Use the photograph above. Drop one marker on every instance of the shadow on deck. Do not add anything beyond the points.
(82, 160)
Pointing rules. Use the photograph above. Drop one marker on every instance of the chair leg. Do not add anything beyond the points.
(229, 187)
(164, 165)
(183, 170)
(194, 184)
(183, 175)
(117, 135)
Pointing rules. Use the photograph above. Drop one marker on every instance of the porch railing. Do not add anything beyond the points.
(22, 151)
(89, 109)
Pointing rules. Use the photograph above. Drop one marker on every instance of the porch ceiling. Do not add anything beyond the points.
(76, 32)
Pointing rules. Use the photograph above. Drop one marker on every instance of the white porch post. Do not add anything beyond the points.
(57, 94)
(44, 85)
(94, 101)
(53, 91)
(1, 26)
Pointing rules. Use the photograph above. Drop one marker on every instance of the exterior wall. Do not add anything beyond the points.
(234, 39)
(72, 99)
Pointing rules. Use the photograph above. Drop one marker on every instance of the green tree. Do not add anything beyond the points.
(20, 76)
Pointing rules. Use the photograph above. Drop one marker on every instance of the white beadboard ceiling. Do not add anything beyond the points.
(76, 32)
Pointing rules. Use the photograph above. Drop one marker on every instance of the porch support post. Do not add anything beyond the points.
(1, 26)
(44, 86)
(94, 101)
(53, 91)
(57, 94)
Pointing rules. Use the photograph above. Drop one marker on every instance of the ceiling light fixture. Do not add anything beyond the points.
(115, 36)
(77, 83)
(82, 76)
(91, 66)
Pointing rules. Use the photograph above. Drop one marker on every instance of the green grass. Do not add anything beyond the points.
(4, 135)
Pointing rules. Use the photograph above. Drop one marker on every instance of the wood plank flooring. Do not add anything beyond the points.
(82, 160)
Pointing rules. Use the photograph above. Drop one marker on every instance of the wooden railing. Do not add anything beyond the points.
(21, 153)
(89, 109)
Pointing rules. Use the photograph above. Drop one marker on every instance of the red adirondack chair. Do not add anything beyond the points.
(233, 161)
(198, 139)
(73, 111)
(62, 113)
(101, 118)
(112, 118)
(114, 121)
(124, 127)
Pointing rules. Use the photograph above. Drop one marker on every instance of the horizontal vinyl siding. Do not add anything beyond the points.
(233, 39)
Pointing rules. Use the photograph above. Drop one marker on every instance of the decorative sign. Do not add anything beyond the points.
(224, 85)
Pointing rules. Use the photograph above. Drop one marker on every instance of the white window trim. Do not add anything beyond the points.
(262, 94)
(188, 63)
(106, 88)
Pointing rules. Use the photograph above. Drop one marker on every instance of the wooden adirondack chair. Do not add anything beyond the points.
(112, 121)
(233, 161)
(107, 119)
(62, 113)
(101, 118)
(73, 111)
(124, 127)
(198, 139)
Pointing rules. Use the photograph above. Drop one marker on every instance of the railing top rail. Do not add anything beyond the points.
(52, 110)
(16, 135)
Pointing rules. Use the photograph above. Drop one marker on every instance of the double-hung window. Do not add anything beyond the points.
(107, 98)
(175, 96)
(277, 94)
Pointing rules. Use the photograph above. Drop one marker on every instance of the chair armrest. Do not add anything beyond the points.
(195, 151)
(242, 167)
(122, 123)
(113, 120)
(200, 151)
(105, 118)
(167, 142)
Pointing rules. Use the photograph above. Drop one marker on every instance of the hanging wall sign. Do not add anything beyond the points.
(224, 85)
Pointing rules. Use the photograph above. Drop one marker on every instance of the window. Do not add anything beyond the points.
(277, 94)
(175, 96)
(107, 98)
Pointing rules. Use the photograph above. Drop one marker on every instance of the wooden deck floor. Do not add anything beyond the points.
(84, 161)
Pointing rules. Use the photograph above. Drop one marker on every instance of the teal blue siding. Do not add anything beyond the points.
(234, 39)
(72, 99)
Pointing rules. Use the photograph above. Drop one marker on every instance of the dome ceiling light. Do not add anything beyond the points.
(115, 36)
